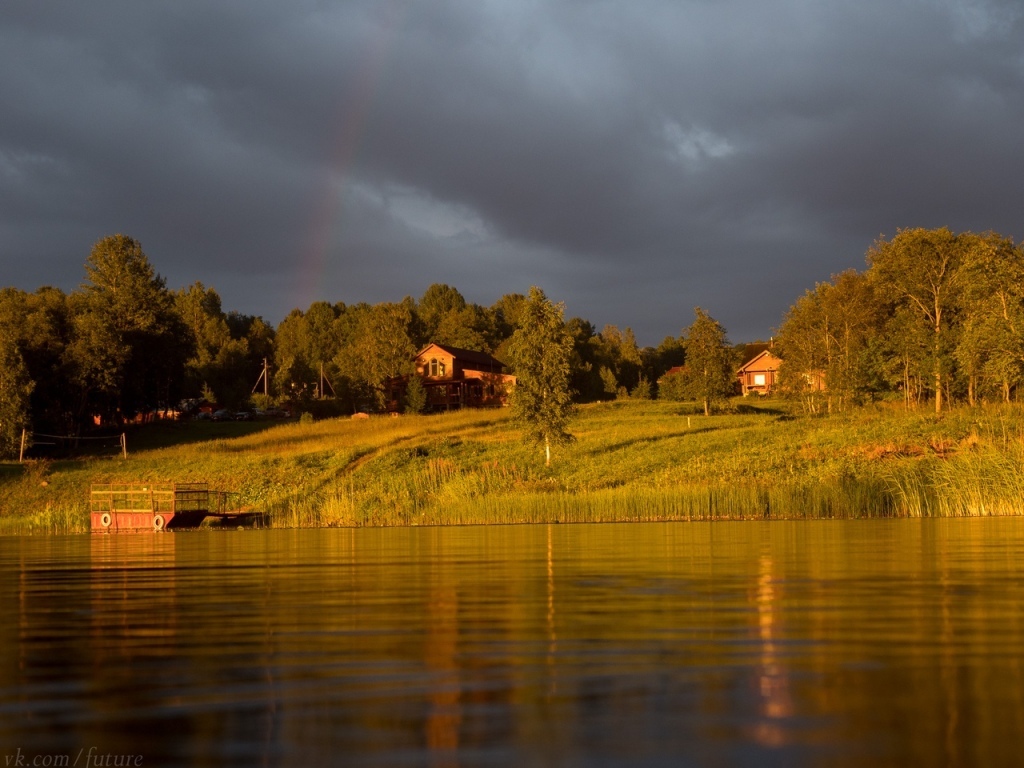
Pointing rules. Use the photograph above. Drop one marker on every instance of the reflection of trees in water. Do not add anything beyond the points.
(444, 715)
(572, 642)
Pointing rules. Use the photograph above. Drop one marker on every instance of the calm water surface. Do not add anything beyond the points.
(833, 643)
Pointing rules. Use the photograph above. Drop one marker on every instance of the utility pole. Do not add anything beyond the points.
(265, 378)
(323, 380)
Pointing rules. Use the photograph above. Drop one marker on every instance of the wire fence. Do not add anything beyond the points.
(43, 445)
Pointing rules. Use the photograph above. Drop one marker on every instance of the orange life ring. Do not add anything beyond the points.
(158, 522)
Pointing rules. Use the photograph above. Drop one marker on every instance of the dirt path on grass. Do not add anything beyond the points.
(410, 441)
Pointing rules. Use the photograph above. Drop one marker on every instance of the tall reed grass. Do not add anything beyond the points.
(976, 484)
(630, 461)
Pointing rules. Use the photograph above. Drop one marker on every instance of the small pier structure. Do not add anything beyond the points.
(117, 507)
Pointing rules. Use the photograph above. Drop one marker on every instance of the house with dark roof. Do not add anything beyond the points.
(458, 378)
(759, 374)
(680, 369)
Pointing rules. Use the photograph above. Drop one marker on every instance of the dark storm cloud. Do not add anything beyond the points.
(634, 159)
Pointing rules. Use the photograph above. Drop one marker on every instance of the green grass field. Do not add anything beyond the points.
(632, 460)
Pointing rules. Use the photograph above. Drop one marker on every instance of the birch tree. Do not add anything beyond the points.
(990, 347)
(541, 351)
(920, 270)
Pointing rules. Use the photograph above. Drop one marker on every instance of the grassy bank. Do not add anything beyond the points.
(631, 461)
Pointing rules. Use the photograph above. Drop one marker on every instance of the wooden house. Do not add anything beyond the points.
(759, 374)
(458, 378)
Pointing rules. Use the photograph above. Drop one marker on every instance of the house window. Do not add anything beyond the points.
(759, 380)
(435, 368)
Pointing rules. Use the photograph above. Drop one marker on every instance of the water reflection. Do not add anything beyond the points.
(444, 715)
(839, 643)
(773, 682)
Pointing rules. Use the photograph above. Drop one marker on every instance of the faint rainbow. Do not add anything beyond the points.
(353, 116)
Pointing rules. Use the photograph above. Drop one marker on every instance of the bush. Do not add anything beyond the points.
(415, 396)
(642, 391)
(262, 401)
(672, 387)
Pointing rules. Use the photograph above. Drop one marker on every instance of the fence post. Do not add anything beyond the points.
(124, 446)
(21, 453)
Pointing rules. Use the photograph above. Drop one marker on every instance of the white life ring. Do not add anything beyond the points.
(158, 522)
(105, 520)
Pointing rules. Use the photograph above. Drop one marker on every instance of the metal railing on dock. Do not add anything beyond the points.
(158, 498)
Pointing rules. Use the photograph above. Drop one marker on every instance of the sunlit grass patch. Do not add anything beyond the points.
(630, 461)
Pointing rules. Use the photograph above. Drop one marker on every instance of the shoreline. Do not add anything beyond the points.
(632, 461)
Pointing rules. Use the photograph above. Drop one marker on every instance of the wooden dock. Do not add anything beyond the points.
(117, 507)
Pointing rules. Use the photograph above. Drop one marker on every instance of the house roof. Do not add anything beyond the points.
(750, 351)
(465, 355)
(763, 361)
(673, 370)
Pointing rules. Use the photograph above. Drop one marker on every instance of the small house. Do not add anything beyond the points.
(759, 374)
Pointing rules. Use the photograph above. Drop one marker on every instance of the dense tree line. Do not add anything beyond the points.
(120, 345)
(936, 316)
(124, 344)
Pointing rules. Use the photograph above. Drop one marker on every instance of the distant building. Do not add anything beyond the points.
(457, 378)
(672, 372)
(759, 374)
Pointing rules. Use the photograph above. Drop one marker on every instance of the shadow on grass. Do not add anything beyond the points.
(11, 471)
(745, 409)
(149, 437)
(624, 444)
(172, 434)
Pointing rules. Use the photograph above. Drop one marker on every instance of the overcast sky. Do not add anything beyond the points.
(634, 159)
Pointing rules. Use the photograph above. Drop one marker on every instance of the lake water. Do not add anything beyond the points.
(838, 643)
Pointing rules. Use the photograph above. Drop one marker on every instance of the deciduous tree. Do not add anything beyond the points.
(15, 390)
(618, 352)
(40, 323)
(827, 334)
(708, 360)
(200, 310)
(990, 345)
(921, 271)
(381, 348)
(415, 395)
(541, 352)
(673, 386)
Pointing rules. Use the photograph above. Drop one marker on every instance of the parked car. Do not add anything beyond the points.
(222, 415)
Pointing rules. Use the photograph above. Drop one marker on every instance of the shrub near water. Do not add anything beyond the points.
(632, 460)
